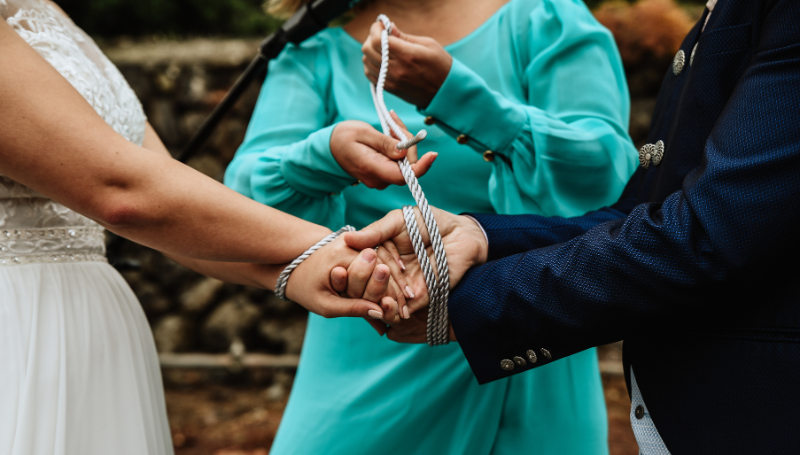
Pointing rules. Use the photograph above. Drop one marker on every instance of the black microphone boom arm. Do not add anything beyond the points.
(305, 23)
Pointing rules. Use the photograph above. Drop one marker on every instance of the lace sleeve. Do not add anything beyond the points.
(75, 55)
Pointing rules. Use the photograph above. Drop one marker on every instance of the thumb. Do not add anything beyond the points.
(378, 232)
(396, 32)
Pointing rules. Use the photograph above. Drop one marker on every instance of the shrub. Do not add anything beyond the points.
(111, 18)
(646, 31)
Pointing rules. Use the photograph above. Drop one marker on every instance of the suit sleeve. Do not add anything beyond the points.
(732, 225)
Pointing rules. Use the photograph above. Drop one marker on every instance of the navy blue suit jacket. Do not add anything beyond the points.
(695, 267)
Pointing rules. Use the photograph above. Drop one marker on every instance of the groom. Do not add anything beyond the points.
(695, 267)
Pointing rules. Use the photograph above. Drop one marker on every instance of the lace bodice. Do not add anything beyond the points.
(34, 228)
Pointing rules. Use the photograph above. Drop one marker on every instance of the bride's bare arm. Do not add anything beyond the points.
(52, 141)
(329, 259)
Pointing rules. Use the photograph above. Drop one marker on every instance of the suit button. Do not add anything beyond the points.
(546, 353)
(651, 154)
(659, 155)
(430, 120)
(520, 361)
(462, 139)
(639, 412)
(488, 156)
(507, 364)
(531, 355)
(677, 64)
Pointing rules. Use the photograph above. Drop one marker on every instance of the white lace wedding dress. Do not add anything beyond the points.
(79, 372)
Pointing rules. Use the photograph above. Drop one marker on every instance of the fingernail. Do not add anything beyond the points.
(401, 264)
(380, 274)
(406, 314)
(337, 278)
(368, 256)
(409, 293)
(375, 314)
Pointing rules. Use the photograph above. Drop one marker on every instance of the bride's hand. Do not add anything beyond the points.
(375, 294)
(464, 244)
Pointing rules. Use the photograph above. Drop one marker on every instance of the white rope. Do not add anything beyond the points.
(438, 289)
(283, 278)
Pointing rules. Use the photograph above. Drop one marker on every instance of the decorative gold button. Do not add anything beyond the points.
(430, 120)
(462, 139)
(532, 355)
(507, 364)
(546, 353)
(520, 361)
(488, 156)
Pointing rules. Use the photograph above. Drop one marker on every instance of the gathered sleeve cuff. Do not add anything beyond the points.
(465, 107)
(561, 147)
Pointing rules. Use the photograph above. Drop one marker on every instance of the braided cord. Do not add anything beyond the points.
(438, 289)
(283, 279)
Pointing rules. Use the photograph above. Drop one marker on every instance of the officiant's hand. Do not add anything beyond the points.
(369, 156)
(418, 65)
(465, 246)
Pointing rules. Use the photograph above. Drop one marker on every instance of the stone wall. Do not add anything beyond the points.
(179, 82)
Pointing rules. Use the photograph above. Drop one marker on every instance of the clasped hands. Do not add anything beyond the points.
(386, 285)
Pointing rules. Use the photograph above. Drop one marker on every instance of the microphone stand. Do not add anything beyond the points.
(305, 23)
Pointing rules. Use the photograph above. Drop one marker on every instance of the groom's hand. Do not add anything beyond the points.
(465, 245)
(464, 241)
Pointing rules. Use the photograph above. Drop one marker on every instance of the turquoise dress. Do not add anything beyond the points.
(541, 85)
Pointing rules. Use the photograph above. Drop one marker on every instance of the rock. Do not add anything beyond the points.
(150, 296)
(161, 114)
(197, 298)
(167, 80)
(196, 87)
(173, 333)
(233, 318)
(287, 334)
(278, 307)
(227, 138)
(275, 392)
(208, 165)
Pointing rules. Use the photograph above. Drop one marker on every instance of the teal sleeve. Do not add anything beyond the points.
(566, 141)
(285, 160)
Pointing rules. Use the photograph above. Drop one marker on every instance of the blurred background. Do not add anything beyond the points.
(229, 353)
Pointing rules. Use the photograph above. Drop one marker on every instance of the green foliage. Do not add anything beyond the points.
(593, 4)
(242, 18)
(111, 18)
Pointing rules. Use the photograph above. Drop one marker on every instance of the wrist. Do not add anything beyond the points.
(479, 239)
(437, 78)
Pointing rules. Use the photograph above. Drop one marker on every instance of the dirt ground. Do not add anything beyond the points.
(237, 419)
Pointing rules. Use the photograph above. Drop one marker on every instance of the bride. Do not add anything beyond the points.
(79, 368)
